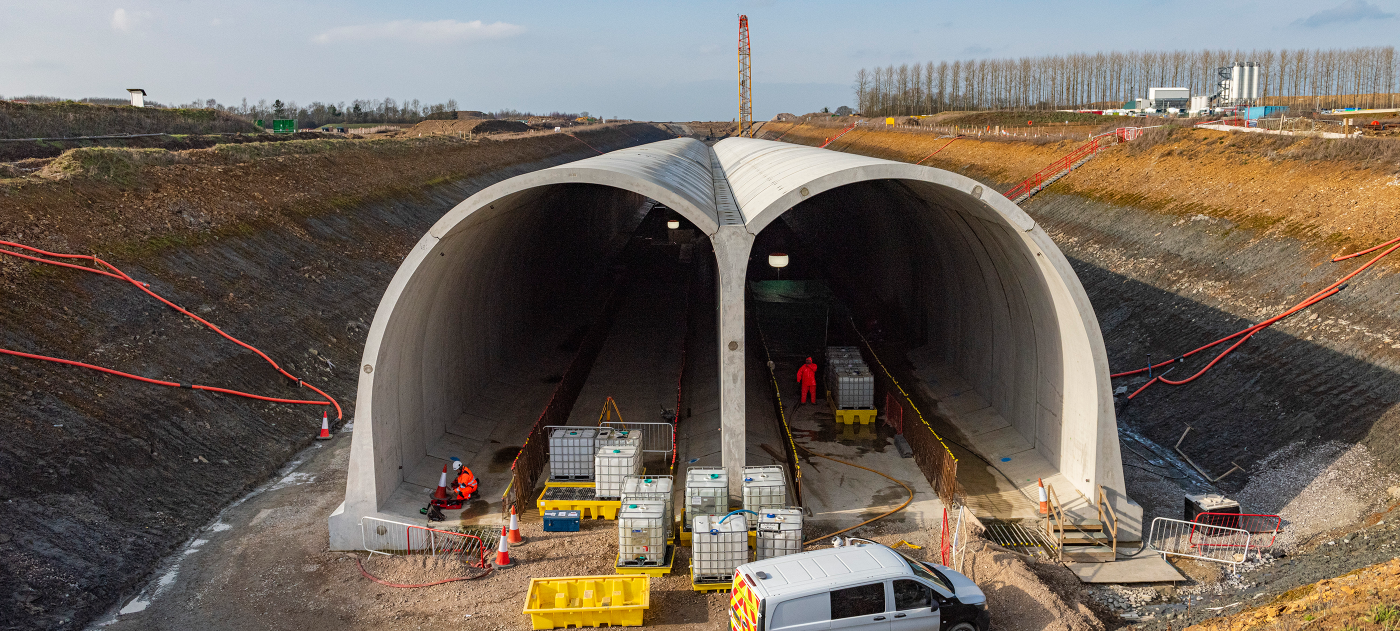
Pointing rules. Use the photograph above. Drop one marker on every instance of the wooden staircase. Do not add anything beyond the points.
(1080, 540)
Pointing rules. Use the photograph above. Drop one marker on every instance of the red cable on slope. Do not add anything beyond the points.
(118, 274)
(1327, 292)
(945, 146)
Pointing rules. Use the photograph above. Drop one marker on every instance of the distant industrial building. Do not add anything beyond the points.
(1169, 98)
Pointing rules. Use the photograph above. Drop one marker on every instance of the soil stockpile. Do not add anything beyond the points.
(472, 126)
(15, 151)
(66, 119)
(287, 246)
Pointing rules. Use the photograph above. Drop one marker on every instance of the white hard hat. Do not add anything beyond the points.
(456, 464)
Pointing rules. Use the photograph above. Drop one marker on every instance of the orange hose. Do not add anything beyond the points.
(1244, 335)
(120, 275)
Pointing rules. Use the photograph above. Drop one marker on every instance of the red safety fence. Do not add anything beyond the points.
(1269, 525)
(833, 138)
(894, 413)
(945, 546)
(1050, 173)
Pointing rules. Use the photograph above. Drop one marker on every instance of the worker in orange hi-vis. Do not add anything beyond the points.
(465, 485)
(807, 376)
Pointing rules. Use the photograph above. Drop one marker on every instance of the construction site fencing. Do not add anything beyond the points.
(657, 438)
(382, 536)
(930, 453)
(792, 464)
(533, 456)
(1199, 541)
(894, 413)
(1263, 529)
(1058, 168)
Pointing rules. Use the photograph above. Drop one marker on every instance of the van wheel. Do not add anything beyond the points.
(963, 626)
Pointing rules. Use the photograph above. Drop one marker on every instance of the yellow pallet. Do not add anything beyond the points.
(571, 485)
(711, 587)
(651, 570)
(588, 509)
(587, 601)
(854, 417)
(597, 509)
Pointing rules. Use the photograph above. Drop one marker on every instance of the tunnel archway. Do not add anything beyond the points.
(1002, 307)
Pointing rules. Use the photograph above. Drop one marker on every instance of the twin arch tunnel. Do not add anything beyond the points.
(996, 301)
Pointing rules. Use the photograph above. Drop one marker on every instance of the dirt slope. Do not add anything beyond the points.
(69, 118)
(1189, 237)
(100, 477)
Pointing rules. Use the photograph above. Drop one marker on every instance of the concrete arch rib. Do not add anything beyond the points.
(463, 303)
(1020, 330)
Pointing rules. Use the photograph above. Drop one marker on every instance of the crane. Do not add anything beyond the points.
(745, 81)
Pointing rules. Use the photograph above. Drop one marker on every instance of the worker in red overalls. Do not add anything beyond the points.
(465, 485)
(807, 376)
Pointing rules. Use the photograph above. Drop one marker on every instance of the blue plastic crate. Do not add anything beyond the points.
(561, 521)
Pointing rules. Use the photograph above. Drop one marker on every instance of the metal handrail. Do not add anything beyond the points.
(1102, 504)
(1056, 522)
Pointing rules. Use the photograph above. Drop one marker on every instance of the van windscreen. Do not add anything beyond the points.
(924, 572)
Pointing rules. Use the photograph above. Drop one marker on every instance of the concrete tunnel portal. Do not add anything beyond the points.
(486, 301)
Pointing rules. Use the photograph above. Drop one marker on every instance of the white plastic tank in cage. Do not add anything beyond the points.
(718, 544)
(612, 465)
(764, 487)
(706, 492)
(779, 533)
(650, 487)
(571, 453)
(641, 533)
(622, 437)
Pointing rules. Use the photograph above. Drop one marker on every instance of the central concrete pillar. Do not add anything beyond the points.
(732, 246)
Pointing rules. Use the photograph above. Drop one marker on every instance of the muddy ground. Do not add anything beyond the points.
(262, 563)
(101, 477)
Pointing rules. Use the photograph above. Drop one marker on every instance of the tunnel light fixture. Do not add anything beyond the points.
(673, 223)
(778, 260)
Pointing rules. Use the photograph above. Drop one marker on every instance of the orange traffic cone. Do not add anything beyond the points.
(503, 552)
(325, 427)
(1044, 499)
(441, 492)
(513, 536)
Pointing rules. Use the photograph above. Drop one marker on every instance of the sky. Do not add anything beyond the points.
(656, 60)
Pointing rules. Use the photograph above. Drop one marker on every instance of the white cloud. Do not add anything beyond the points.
(421, 31)
(1349, 11)
(121, 20)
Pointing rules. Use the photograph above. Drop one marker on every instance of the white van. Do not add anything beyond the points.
(866, 587)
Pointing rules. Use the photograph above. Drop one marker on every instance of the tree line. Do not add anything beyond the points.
(317, 113)
(1330, 78)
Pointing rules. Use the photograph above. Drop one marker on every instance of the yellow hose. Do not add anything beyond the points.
(896, 510)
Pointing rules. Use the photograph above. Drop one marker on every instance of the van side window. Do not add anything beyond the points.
(801, 611)
(861, 600)
(911, 594)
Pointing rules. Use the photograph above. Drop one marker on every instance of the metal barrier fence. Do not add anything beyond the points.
(381, 536)
(1269, 525)
(530, 462)
(930, 453)
(657, 438)
(894, 413)
(1199, 541)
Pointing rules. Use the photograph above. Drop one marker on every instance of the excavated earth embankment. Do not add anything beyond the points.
(1185, 236)
(286, 247)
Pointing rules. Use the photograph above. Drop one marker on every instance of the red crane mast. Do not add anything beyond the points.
(745, 81)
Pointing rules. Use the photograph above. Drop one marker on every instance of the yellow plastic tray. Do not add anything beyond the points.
(588, 601)
(651, 570)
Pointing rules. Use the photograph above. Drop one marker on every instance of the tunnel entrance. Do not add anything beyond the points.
(484, 323)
